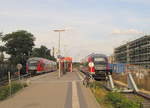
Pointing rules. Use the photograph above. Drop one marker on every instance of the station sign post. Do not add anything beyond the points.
(19, 67)
(59, 65)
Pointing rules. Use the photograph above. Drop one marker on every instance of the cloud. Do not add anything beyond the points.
(87, 28)
(126, 32)
(136, 1)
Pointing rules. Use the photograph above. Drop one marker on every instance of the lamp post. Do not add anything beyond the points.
(59, 31)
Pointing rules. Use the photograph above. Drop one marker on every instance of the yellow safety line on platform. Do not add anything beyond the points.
(75, 98)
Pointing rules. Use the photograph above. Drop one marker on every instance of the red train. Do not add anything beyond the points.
(36, 65)
(97, 65)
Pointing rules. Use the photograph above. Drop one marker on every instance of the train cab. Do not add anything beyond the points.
(97, 65)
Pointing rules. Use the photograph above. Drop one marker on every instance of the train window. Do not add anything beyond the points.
(33, 63)
(99, 59)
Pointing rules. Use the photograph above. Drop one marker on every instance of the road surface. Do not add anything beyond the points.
(47, 91)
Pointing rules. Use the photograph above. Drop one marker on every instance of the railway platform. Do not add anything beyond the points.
(49, 91)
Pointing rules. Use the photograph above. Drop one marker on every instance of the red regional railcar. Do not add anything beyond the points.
(36, 65)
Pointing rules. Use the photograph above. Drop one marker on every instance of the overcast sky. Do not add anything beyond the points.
(91, 25)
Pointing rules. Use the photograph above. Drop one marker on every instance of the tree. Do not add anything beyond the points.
(18, 45)
(1, 57)
(43, 52)
(2, 49)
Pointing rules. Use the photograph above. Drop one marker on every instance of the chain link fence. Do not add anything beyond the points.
(4, 69)
(11, 80)
(140, 74)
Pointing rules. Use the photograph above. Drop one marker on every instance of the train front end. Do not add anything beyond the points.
(32, 65)
(99, 66)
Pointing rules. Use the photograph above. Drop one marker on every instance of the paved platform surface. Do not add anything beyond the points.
(47, 91)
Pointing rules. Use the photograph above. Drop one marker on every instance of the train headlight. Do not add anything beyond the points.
(91, 64)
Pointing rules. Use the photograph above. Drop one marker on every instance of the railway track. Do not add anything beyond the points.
(146, 98)
(140, 93)
(145, 103)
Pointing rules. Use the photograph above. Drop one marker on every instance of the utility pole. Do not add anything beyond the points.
(59, 53)
(53, 52)
(59, 31)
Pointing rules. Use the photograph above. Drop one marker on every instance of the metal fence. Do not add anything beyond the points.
(4, 69)
(118, 68)
(140, 74)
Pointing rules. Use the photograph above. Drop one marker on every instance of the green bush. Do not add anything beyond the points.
(15, 87)
(95, 84)
(120, 101)
(4, 92)
(113, 99)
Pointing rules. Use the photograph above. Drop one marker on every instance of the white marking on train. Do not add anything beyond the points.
(75, 98)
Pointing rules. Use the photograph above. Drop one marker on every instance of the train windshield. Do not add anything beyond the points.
(33, 63)
(99, 60)
(100, 63)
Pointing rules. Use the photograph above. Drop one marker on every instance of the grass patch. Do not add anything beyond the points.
(120, 101)
(113, 99)
(5, 91)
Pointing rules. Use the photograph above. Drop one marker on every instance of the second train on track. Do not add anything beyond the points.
(36, 65)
